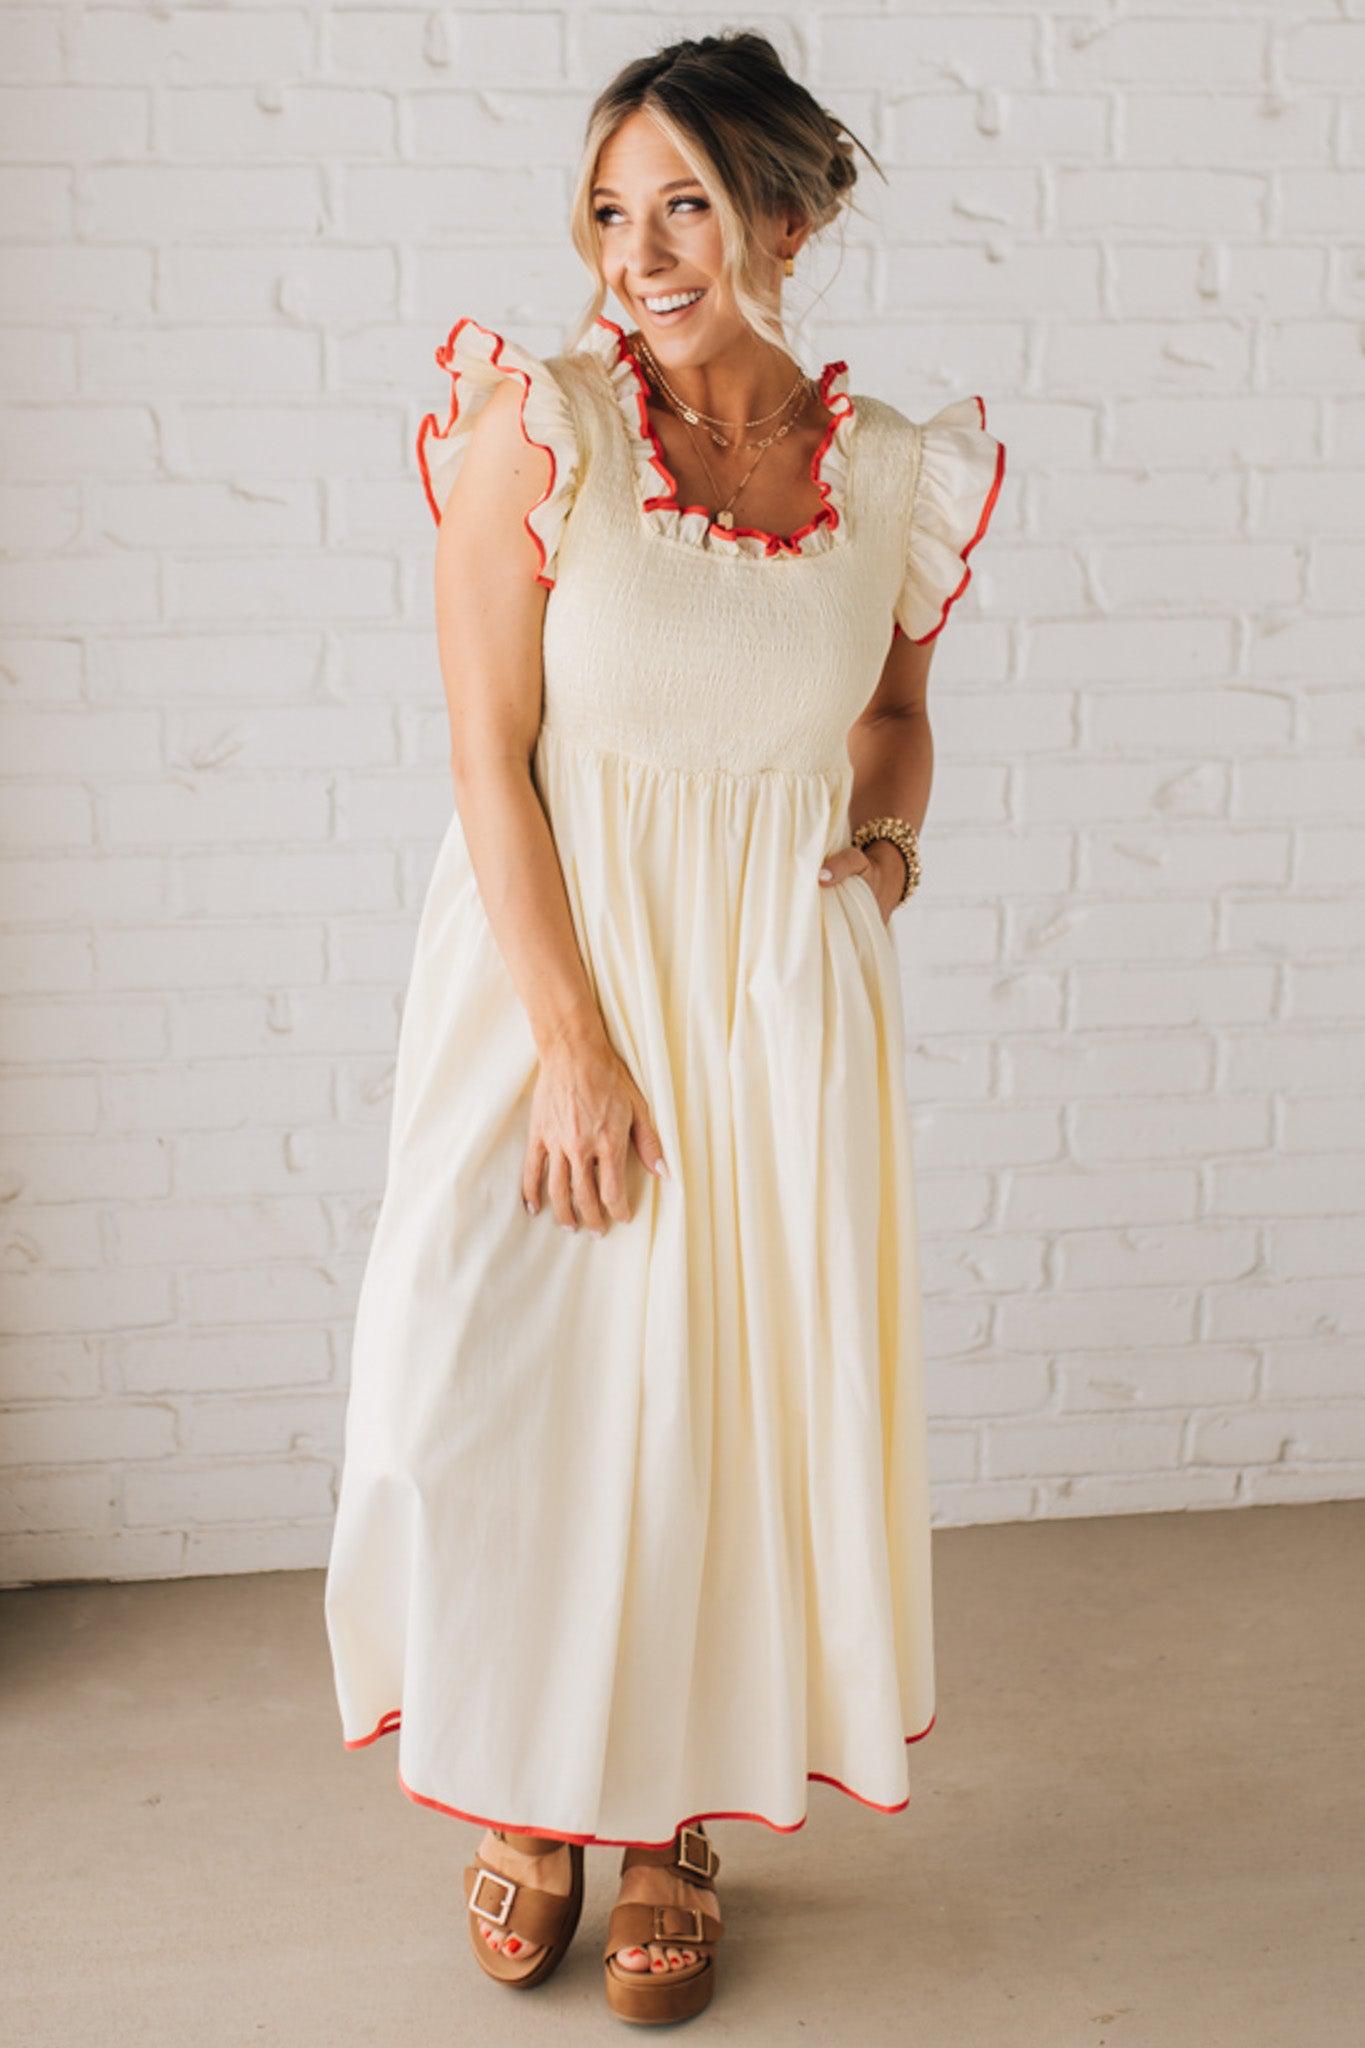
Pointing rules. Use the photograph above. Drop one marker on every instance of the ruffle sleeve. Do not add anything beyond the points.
(477, 360)
(961, 469)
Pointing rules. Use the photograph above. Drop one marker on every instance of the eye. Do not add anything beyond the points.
(684, 199)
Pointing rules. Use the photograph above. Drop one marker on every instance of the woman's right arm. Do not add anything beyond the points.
(489, 619)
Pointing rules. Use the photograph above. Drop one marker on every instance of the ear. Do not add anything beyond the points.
(795, 230)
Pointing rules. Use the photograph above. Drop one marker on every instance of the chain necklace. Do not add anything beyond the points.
(724, 516)
(693, 416)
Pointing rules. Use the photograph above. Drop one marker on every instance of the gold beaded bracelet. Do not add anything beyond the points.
(903, 837)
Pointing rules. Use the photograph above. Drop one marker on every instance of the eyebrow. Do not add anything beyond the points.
(605, 191)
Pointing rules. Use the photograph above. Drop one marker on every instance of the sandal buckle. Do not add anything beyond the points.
(697, 1931)
(509, 1892)
(685, 1858)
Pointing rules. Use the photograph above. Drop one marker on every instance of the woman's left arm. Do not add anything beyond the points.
(891, 747)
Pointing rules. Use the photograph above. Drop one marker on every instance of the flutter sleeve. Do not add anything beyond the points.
(961, 469)
(477, 360)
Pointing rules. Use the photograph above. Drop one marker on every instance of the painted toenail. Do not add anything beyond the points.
(513, 1945)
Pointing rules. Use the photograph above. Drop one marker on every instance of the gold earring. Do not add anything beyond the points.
(790, 266)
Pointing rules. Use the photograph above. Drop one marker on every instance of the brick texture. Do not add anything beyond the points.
(234, 235)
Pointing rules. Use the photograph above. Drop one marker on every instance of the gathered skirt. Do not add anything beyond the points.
(634, 1531)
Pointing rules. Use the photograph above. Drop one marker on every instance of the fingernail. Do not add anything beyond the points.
(599, 1233)
(529, 1207)
(826, 874)
(661, 1168)
(566, 1226)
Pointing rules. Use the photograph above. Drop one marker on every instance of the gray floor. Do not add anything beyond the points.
(1138, 1822)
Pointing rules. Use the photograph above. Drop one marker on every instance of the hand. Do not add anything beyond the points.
(585, 1111)
(878, 863)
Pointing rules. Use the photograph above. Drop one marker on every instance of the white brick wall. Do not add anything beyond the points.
(234, 234)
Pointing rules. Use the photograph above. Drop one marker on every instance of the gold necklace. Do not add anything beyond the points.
(693, 416)
(725, 516)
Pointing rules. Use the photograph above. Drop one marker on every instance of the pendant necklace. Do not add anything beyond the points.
(690, 416)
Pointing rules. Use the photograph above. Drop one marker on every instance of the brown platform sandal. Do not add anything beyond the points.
(545, 1920)
(654, 1998)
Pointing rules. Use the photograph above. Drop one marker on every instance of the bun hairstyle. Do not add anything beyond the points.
(757, 140)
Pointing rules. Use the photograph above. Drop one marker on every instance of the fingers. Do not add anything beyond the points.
(533, 1166)
(561, 1204)
(574, 1195)
(588, 1188)
(646, 1140)
(583, 1181)
(838, 866)
(611, 1184)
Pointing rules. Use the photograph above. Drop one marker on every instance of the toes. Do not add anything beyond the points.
(510, 1944)
(657, 1957)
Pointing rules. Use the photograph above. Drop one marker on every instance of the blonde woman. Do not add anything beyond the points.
(634, 1525)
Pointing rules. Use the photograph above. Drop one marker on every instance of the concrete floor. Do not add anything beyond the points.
(1137, 1823)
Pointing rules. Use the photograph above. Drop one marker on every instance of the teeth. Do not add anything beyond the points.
(673, 300)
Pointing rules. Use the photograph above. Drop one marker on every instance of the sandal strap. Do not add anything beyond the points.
(634, 1923)
(537, 1916)
(691, 1853)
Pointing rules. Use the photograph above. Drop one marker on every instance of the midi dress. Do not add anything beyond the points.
(634, 1531)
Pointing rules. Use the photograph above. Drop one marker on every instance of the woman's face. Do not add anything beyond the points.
(660, 241)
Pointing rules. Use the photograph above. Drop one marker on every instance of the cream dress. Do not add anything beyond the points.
(635, 1530)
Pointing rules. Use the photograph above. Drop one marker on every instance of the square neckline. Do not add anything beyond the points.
(693, 525)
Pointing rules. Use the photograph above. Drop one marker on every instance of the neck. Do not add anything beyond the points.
(744, 382)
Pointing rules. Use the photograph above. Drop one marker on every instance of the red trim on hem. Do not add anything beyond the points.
(776, 543)
(982, 523)
(445, 357)
(389, 1723)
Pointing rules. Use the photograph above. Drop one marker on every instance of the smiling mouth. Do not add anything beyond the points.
(672, 306)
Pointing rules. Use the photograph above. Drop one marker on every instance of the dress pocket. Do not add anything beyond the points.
(870, 893)
(872, 910)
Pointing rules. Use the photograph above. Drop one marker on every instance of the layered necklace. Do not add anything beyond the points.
(691, 416)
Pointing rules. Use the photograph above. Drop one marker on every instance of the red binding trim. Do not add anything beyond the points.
(776, 543)
(982, 523)
(389, 1723)
(445, 357)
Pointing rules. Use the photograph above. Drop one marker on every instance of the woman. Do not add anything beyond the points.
(634, 1520)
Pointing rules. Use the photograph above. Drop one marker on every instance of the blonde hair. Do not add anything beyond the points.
(753, 136)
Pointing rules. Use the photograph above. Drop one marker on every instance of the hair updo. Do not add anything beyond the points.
(757, 140)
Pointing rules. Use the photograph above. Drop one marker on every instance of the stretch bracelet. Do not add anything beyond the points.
(903, 837)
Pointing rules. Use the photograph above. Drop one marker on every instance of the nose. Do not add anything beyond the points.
(648, 257)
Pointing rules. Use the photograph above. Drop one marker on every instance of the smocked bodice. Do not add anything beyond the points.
(693, 647)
